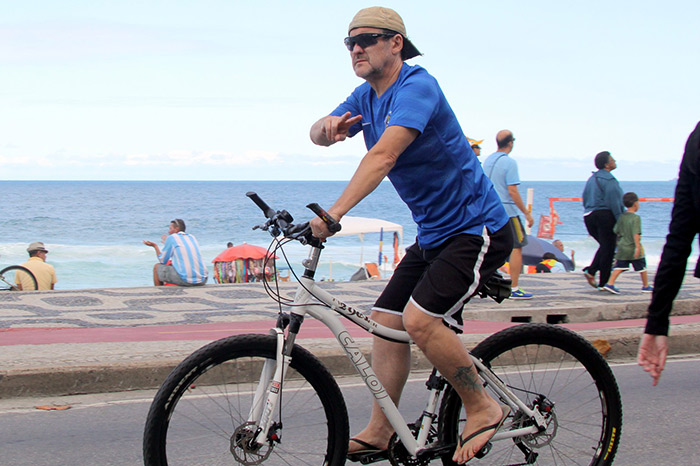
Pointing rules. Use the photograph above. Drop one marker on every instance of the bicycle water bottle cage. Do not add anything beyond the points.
(497, 288)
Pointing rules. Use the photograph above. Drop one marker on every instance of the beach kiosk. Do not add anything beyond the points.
(243, 263)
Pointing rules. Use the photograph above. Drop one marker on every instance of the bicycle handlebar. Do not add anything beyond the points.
(333, 225)
(269, 213)
(280, 222)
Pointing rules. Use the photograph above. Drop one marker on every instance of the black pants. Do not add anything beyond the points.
(600, 224)
(685, 224)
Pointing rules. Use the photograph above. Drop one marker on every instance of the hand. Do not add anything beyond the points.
(319, 228)
(336, 128)
(653, 350)
(149, 243)
(530, 220)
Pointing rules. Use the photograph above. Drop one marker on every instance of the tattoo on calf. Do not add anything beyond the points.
(465, 376)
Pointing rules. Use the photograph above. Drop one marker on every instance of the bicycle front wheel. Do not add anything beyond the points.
(200, 414)
(10, 276)
(566, 377)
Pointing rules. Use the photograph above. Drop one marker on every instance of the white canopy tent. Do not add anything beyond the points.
(362, 225)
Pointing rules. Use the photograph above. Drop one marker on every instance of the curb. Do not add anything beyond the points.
(150, 374)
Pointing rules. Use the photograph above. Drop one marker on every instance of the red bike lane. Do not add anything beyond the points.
(214, 331)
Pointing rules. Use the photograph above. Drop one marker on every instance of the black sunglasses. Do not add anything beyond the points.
(366, 39)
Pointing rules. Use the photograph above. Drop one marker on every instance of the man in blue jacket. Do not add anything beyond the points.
(602, 204)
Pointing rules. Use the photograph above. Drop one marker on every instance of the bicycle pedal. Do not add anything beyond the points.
(484, 450)
(368, 458)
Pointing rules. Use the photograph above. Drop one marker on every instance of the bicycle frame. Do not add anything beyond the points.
(272, 378)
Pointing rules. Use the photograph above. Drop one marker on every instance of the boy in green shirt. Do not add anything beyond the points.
(629, 245)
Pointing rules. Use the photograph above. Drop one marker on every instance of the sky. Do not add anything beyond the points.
(228, 89)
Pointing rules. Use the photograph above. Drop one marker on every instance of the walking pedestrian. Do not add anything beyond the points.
(503, 172)
(684, 226)
(602, 205)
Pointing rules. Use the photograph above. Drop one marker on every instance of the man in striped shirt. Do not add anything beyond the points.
(181, 262)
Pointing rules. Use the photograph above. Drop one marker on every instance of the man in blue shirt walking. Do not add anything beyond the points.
(503, 172)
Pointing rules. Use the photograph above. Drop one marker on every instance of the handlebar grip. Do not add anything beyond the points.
(333, 225)
(269, 213)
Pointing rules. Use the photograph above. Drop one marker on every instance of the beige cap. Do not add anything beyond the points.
(384, 18)
(37, 246)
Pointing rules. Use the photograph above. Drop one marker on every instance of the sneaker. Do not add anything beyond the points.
(611, 288)
(520, 294)
(590, 278)
(647, 289)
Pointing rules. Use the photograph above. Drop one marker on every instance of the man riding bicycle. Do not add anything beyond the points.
(414, 138)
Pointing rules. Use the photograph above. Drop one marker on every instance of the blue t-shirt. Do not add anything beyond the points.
(183, 250)
(503, 172)
(438, 175)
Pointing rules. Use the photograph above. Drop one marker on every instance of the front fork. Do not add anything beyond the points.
(269, 389)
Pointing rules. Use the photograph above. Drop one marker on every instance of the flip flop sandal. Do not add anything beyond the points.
(463, 441)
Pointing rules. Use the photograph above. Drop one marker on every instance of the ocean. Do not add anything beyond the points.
(94, 229)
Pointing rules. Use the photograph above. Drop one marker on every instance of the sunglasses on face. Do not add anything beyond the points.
(365, 40)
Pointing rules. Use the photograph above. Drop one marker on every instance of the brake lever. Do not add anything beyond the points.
(302, 233)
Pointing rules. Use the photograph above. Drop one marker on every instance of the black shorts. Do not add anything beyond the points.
(639, 265)
(441, 281)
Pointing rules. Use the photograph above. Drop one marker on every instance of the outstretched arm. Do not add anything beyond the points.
(153, 245)
(331, 129)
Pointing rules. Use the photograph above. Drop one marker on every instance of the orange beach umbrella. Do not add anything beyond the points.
(242, 251)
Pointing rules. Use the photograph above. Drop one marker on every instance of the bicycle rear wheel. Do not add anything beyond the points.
(9, 276)
(199, 415)
(558, 370)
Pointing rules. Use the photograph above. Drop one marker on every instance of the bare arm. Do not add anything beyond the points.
(375, 165)
(637, 245)
(515, 195)
(331, 129)
(153, 245)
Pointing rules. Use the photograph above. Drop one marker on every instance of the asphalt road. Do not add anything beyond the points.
(660, 424)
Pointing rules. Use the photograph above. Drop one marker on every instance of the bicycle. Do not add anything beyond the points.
(9, 279)
(263, 399)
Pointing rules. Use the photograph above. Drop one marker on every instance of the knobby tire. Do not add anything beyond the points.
(208, 396)
(541, 359)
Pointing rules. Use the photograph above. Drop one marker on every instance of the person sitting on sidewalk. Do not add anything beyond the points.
(549, 264)
(557, 243)
(188, 267)
(44, 273)
(629, 245)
